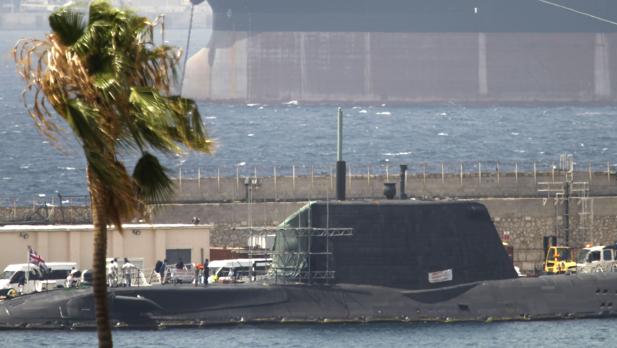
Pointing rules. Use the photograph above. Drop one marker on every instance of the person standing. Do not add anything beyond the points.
(113, 273)
(163, 271)
(198, 268)
(206, 271)
(127, 268)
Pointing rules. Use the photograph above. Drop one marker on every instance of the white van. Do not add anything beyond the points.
(599, 258)
(232, 270)
(23, 278)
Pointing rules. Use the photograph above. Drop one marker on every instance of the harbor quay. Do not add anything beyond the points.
(575, 207)
(144, 244)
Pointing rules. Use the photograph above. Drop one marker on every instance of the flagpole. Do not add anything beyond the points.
(28, 273)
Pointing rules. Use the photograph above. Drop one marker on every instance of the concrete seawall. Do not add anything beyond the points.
(523, 221)
(362, 184)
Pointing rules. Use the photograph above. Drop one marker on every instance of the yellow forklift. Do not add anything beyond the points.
(559, 260)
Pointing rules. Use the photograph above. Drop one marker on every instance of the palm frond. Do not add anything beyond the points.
(68, 24)
(153, 184)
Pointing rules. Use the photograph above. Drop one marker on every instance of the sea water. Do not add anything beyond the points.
(569, 333)
(257, 137)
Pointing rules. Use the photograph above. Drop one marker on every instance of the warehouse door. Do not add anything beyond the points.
(175, 255)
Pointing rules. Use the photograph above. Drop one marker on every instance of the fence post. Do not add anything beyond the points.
(293, 177)
(331, 179)
(199, 178)
(406, 174)
(237, 180)
(461, 173)
(387, 173)
(275, 189)
(180, 178)
(218, 179)
(535, 180)
(497, 172)
(608, 171)
(516, 172)
(479, 172)
(443, 175)
(424, 173)
(553, 171)
(590, 173)
(312, 180)
(349, 178)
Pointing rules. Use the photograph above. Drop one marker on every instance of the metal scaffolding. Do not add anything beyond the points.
(563, 192)
(305, 269)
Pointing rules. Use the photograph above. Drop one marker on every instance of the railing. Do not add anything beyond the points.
(428, 180)
(468, 168)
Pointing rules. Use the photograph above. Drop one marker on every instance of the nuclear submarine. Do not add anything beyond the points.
(350, 261)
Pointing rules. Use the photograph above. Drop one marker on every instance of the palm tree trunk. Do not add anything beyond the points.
(99, 280)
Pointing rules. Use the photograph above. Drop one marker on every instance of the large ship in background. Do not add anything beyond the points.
(408, 51)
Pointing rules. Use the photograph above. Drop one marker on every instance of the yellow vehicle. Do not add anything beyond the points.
(559, 260)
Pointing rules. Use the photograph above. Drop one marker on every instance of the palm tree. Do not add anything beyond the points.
(110, 83)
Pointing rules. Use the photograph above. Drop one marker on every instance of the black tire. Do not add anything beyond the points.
(11, 293)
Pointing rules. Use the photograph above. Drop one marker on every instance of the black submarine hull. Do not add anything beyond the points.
(542, 298)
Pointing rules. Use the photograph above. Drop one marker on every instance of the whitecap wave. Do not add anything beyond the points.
(394, 154)
(384, 113)
(443, 134)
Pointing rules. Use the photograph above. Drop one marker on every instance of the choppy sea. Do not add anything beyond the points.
(258, 137)
(572, 333)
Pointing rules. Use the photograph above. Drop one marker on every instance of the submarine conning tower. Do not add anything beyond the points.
(403, 244)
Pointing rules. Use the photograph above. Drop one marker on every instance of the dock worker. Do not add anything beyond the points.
(180, 264)
(206, 272)
(198, 268)
(163, 271)
(112, 273)
(127, 268)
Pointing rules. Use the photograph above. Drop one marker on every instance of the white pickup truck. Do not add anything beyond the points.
(599, 258)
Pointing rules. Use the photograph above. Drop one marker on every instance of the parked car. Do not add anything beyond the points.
(599, 258)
